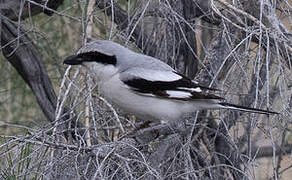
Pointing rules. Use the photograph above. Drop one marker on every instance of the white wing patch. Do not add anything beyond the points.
(154, 75)
(178, 94)
(197, 89)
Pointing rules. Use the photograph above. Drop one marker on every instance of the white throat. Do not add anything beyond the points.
(101, 72)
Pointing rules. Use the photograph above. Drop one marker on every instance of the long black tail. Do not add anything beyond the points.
(246, 109)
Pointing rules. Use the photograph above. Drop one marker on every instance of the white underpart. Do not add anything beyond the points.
(143, 105)
(197, 89)
(178, 94)
(154, 75)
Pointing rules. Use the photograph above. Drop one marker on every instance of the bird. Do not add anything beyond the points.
(145, 86)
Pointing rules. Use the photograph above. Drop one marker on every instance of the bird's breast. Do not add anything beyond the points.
(145, 107)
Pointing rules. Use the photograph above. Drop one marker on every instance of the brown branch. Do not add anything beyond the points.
(121, 19)
(12, 9)
(204, 11)
(268, 151)
(269, 25)
(19, 50)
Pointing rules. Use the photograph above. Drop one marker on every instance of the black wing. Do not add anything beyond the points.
(166, 84)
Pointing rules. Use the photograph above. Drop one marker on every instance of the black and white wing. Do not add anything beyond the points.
(172, 85)
(165, 84)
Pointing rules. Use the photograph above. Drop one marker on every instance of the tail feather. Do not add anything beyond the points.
(246, 109)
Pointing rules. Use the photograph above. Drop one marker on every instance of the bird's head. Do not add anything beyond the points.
(100, 57)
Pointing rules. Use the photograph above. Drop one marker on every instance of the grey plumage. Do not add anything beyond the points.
(145, 86)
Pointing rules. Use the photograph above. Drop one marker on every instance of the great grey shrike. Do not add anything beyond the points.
(145, 86)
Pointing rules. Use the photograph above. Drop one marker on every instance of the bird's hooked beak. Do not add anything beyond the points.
(73, 60)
